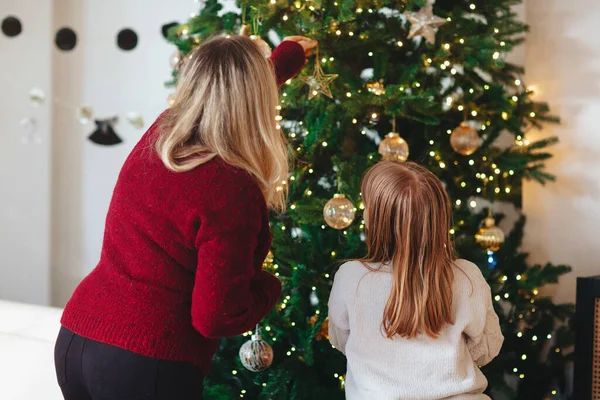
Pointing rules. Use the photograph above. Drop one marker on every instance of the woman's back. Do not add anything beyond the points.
(421, 368)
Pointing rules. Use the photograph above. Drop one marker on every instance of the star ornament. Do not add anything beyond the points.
(319, 82)
(424, 23)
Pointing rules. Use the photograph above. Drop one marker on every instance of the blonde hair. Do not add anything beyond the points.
(225, 106)
(408, 218)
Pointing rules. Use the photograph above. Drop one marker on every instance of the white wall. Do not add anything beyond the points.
(114, 82)
(25, 169)
(67, 181)
(563, 65)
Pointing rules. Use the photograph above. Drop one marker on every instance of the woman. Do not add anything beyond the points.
(186, 233)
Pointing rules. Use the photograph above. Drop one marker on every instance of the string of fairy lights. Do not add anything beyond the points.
(494, 174)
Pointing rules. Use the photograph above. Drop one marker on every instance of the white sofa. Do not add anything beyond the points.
(27, 335)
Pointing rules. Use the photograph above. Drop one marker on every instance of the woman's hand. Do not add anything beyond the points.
(306, 43)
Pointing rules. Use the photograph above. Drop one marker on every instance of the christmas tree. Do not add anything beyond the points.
(437, 75)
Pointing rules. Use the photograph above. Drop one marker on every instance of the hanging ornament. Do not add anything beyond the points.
(377, 88)
(136, 120)
(256, 355)
(464, 139)
(489, 235)
(424, 23)
(85, 114)
(339, 212)
(263, 46)
(318, 82)
(105, 134)
(323, 332)
(393, 147)
(176, 60)
(37, 96)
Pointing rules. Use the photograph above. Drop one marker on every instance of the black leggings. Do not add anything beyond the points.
(89, 370)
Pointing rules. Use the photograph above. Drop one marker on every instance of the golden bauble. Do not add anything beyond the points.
(339, 212)
(465, 140)
(393, 148)
(263, 46)
(489, 235)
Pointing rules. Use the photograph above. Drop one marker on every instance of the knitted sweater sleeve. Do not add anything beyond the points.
(288, 59)
(339, 322)
(484, 337)
(230, 294)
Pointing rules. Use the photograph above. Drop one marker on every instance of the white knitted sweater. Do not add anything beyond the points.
(422, 368)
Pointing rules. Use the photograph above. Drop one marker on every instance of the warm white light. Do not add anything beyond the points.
(496, 56)
(473, 204)
(472, 6)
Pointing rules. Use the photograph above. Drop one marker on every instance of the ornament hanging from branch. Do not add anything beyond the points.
(263, 46)
(489, 235)
(318, 82)
(339, 212)
(256, 355)
(424, 23)
(105, 134)
(393, 147)
(464, 139)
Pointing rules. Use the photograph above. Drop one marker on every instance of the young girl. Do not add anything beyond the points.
(413, 321)
(186, 233)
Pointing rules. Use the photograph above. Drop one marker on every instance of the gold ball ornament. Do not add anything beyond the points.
(489, 235)
(465, 140)
(256, 355)
(339, 212)
(393, 148)
(263, 46)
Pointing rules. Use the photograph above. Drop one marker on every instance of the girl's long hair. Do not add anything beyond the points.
(225, 106)
(408, 216)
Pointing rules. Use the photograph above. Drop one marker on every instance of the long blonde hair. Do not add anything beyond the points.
(408, 217)
(225, 106)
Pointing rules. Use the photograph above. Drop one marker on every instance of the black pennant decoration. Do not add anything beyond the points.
(105, 134)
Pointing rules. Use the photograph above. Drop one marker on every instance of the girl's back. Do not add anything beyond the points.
(421, 368)
(414, 322)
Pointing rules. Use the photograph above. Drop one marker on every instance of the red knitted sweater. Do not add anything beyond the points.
(181, 262)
